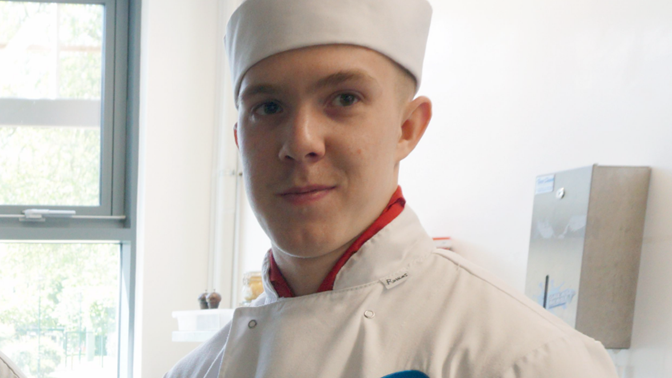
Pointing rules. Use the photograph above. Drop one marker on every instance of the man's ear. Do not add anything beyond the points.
(417, 116)
(235, 134)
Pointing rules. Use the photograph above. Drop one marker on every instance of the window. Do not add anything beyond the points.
(68, 174)
(57, 108)
(60, 307)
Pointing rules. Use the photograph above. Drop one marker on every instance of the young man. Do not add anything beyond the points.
(353, 284)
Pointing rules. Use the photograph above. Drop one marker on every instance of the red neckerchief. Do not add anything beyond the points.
(392, 210)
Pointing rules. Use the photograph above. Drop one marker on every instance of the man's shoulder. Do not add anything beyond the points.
(498, 323)
(488, 290)
(481, 291)
(203, 361)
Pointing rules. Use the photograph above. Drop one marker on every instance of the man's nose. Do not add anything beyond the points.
(303, 140)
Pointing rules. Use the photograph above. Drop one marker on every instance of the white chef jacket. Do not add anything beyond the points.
(399, 304)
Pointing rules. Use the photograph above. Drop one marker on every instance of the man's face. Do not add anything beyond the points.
(318, 131)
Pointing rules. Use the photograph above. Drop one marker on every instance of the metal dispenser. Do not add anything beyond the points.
(585, 245)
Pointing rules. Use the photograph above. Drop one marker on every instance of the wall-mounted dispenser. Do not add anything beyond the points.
(585, 245)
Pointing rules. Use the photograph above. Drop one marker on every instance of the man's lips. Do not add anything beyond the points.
(305, 194)
(305, 189)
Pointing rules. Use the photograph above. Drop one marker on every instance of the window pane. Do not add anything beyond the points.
(58, 308)
(50, 50)
(50, 103)
(49, 166)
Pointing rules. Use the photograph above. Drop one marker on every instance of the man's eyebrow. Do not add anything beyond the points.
(331, 80)
(258, 89)
(344, 76)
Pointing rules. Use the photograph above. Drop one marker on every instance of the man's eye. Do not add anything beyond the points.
(268, 108)
(345, 99)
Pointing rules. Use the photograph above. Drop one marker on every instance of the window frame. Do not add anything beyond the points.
(118, 221)
(112, 116)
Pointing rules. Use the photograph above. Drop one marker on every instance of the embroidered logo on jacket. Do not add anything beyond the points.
(394, 279)
(407, 374)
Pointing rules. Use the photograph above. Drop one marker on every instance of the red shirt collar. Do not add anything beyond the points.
(392, 210)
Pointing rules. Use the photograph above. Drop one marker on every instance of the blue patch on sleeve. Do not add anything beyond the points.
(407, 374)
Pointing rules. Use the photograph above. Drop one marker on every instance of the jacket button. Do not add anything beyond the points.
(369, 314)
(252, 324)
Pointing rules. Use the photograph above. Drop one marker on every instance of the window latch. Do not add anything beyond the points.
(40, 215)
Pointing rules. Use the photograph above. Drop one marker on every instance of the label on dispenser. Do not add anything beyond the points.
(544, 184)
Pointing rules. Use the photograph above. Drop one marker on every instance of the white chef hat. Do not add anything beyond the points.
(260, 28)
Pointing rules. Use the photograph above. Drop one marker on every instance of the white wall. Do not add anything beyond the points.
(254, 243)
(178, 122)
(526, 87)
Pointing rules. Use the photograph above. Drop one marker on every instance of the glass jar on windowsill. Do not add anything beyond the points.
(252, 287)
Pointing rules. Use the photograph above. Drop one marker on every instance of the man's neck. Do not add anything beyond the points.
(304, 275)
